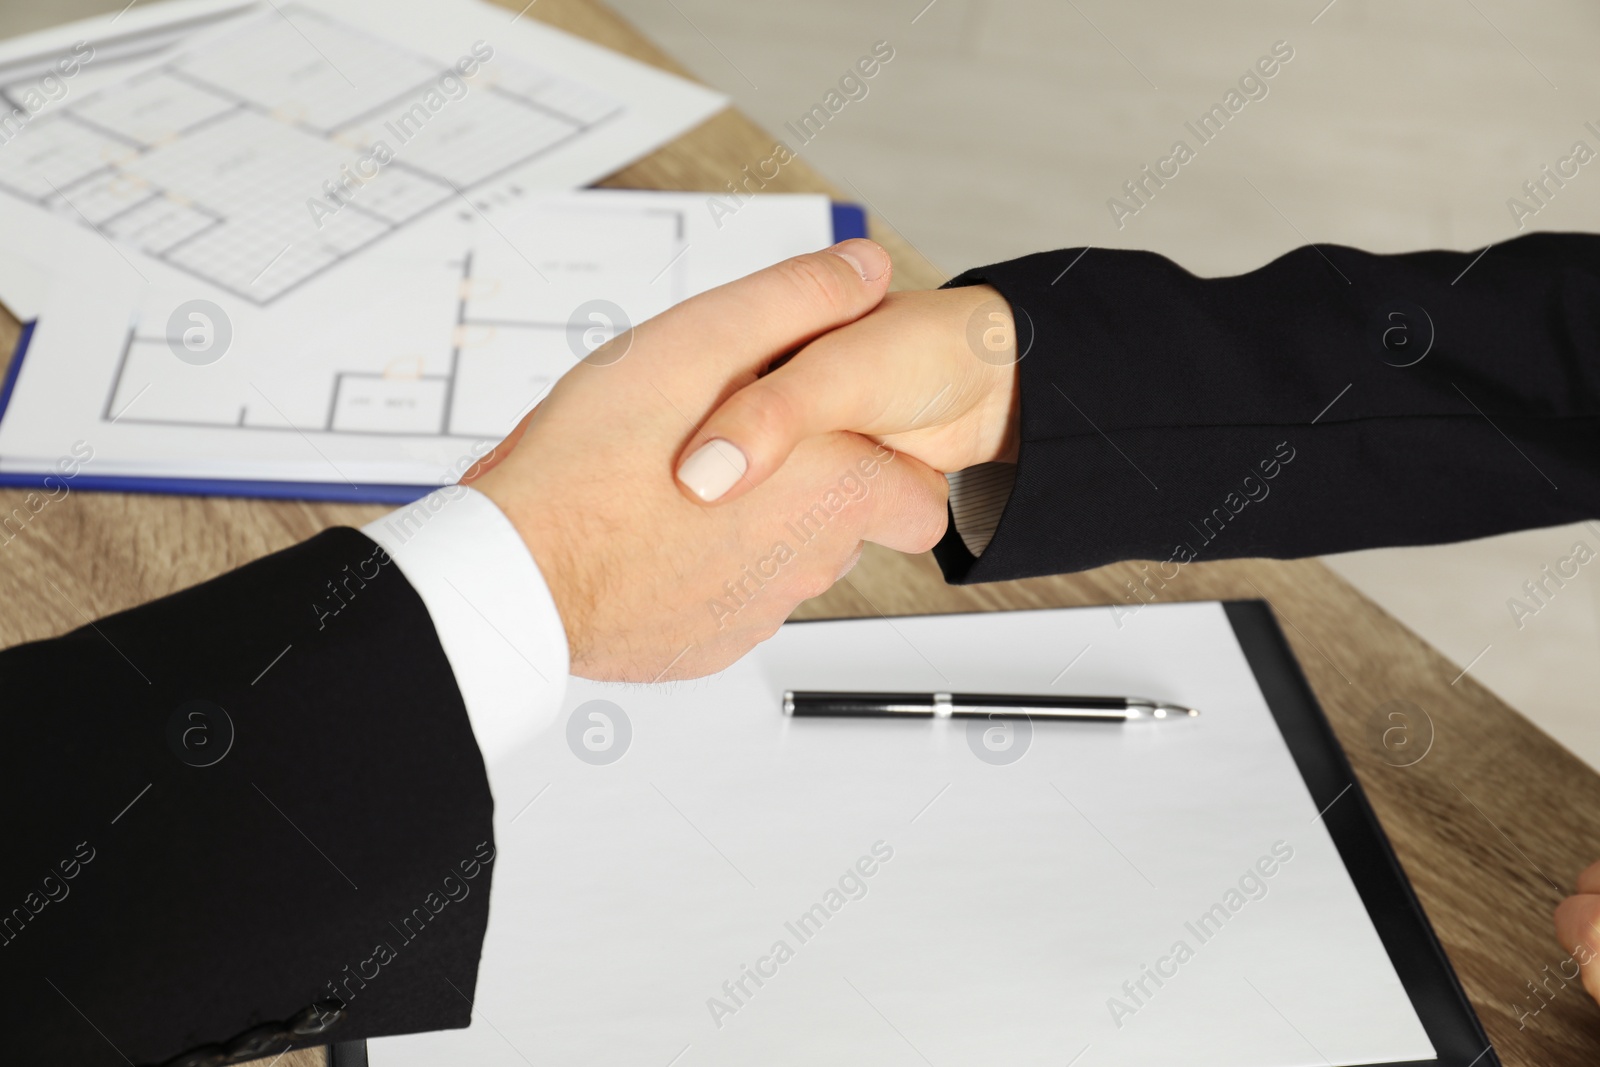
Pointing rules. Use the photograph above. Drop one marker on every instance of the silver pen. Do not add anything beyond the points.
(980, 706)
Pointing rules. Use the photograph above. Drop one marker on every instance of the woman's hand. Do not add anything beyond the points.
(931, 374)
(1578, 928)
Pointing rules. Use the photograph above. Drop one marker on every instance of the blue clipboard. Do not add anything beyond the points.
(849, 220)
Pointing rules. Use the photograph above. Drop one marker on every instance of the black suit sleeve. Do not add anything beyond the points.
(249, 814)
(1331, 400)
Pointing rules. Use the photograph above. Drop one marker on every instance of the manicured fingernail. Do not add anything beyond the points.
(867, 258)
(713, 469)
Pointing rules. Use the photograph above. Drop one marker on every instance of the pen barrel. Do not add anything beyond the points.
(985, 703)
(859, 705)
(953, 705)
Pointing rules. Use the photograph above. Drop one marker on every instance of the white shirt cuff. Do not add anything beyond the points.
(491, 609)
(978, 497)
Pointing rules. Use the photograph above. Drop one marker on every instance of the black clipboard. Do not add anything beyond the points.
(1397, 916)
(348, 1054)
(1403, 927)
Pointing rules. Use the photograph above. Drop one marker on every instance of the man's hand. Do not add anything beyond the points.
(1578, 927)
(931, 374)
(649, 584)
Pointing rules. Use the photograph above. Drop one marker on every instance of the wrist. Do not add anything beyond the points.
(1008, 399)
(991, 340)
(562, 570)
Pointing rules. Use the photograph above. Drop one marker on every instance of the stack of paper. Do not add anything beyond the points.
(334, 249)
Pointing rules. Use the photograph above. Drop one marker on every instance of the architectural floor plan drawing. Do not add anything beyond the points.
(478, 337)
(383, 376)
(374, 216)
(289, 144)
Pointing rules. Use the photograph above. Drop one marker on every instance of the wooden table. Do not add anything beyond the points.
(1492, 826)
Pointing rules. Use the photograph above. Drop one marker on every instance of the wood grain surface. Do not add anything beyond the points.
(1492, 825)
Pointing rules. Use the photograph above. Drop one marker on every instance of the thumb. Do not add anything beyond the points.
(757, 428)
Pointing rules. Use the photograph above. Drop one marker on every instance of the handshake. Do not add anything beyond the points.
(695, 478)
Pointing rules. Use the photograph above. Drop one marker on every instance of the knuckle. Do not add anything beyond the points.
(919, 513)
(816, 284)
(763, 411)
(933, 528)
(812, 584)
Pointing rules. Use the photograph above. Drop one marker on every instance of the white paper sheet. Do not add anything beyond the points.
(24, 284)
(1019, 899)
(395, 373)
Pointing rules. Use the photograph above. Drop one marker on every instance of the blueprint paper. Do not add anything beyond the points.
(334, 186)
(400, 373)
(27, 62)
(295, 141)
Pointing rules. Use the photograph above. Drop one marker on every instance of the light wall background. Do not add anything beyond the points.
(1000, 128)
